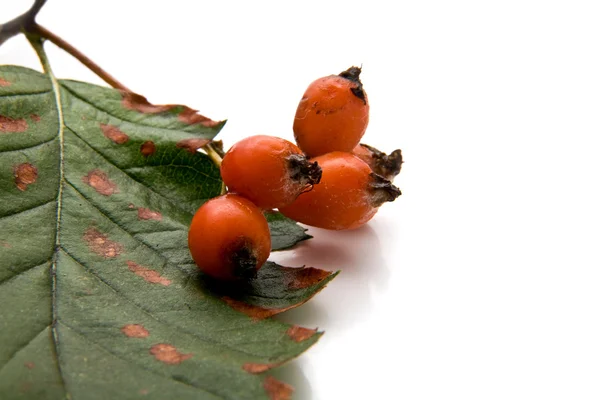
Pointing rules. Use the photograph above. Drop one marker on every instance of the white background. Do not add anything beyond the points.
(482, 281)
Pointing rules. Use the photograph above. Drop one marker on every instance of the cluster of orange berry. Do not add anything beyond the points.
(328, 181)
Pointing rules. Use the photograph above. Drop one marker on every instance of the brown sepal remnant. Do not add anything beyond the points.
(135, 331)
(35, 118)
(8, 124)
(99, 181)
(30, 365)
(305, 277)
(100, 244)
(4, 83)
(147, 274)
(255, 368)
(192, 145)
(148, 214)
(25, 174)
(277, 390)
(299, 334)
(187, 115)
(168, 354)
(113, 133)
(148, 148)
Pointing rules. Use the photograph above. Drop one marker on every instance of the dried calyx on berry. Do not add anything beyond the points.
(303, 171)
(353, 75)
(388, 166)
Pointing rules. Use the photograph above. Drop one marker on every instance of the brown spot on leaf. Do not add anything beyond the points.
(139, 103)
(192, 145)
(147, 274)
(187, 115)
(4, 83)
(99, 181)
(113, 133)
(306, 277)
(100, 244)
(25, 175)
(146, 213)
(144, 392)
(254, 368)
(135, 331)
(25, 386)
(8, 124)
(148, 148)
(30, 365)
(300, 334)
(277, 390)
(168, 354)
(191, 117)
(254, 312)
(131, 206)
(4, 244)
(35, 118)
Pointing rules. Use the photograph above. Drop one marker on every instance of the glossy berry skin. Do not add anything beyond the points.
(332, 115)
(347, 197)
(382, 164)
(229, 238)
(269, 171)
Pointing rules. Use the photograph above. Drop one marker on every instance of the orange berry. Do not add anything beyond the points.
(380, 163)
(269, 171)
(347, 197)
(332, 115)
(229, 238)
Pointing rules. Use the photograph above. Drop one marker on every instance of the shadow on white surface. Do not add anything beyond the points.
(346, 301)
(357, 254)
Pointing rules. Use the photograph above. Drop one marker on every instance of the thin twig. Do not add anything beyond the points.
(95, 68)
(21, 23)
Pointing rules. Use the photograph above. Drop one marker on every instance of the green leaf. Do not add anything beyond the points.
(99, 294)
(285, 232)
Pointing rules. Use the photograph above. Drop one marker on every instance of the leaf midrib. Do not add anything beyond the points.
(59, 201)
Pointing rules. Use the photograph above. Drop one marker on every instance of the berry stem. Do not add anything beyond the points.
(214, 155)
(85, 60)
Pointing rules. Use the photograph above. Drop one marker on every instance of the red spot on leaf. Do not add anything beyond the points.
(168, 354)
(277, 390)
(306, 277)
(113, 133)
(99, 181)
(100, 244)
(35, 118)
(25, 174)
(191, 117)
(254, 312)
(4, 83)
(254, 368)
(300, 334)
(148, 148)
(30, 365)
(135, 331)
(146, 213)
(147, 274)
(8, 124)
(192, 145)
